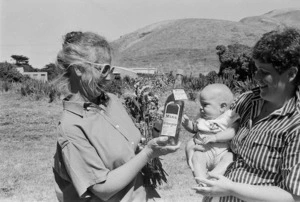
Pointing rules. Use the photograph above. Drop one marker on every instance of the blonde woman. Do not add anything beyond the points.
(95, 158)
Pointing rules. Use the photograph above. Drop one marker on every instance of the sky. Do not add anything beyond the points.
(35, 28)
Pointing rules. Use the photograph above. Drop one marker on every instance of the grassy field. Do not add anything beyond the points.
(27, 146)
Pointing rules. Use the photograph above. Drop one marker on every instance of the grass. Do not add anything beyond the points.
(28, 143)
(27, 132)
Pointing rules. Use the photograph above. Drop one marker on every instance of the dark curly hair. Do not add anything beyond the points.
(281, 48)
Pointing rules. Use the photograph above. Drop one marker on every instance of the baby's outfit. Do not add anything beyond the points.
(206, 128)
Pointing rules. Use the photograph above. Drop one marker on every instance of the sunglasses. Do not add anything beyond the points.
(104, 69)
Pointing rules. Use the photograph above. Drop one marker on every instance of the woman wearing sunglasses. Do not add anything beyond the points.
(95, 158)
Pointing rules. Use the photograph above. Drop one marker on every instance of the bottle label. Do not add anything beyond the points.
(170, 120)
(179, 94)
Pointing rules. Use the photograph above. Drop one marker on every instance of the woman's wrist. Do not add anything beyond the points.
(231, 187)
(148, 152)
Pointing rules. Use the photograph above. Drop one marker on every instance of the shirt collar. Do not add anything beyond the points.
(289, 107)
(79, 107)
(256, 94)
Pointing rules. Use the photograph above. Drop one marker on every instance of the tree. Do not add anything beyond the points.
(236, 59)
(20, 59)
(23, 61)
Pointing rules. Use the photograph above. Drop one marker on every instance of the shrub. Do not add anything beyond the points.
(143, 108)
(37, 89)
(8, 72)
(6, 86)
(236, 58)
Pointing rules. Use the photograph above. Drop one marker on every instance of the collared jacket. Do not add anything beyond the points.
(92, 141)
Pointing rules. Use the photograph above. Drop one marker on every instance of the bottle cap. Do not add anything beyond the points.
(180, 71)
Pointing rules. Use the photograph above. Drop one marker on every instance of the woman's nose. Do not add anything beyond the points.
(110, 76)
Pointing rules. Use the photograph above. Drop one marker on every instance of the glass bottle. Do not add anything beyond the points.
(173, 110)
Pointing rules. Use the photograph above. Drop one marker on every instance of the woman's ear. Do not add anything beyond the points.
(77, 71)
(292, 74)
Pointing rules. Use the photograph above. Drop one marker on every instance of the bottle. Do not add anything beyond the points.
(173, 111)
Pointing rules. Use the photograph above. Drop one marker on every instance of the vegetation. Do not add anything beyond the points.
(20, 59)
(236, 59)
(143, 107)
(9, 73)
(23, 61)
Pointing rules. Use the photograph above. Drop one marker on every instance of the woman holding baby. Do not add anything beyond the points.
(267, 142)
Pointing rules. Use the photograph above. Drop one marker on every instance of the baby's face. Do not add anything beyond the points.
(210, 106)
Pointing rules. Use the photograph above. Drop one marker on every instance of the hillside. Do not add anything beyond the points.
(272, 19)
(190, 43)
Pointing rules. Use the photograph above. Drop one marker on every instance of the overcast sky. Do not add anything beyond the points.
(34, 28)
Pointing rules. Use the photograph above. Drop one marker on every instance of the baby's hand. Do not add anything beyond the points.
(185, 120)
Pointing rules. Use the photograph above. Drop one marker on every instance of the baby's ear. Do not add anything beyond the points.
(223, 107)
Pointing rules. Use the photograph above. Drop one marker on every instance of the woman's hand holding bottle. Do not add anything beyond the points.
(159, 146)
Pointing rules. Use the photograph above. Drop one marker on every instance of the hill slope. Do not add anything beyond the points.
(190, 43)
(272, 19)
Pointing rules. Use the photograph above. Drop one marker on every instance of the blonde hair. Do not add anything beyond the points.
(81, 50)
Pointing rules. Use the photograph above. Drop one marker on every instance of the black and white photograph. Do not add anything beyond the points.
(149, 101)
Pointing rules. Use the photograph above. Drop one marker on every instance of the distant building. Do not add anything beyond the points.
(41, 76)
(120, 72)
(144, 70)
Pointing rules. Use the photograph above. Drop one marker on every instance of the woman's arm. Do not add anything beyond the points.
(228, 134)
(222, 136)
(120, 177)
(221, 186)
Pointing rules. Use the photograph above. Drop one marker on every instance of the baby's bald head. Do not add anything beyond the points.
(218, 92)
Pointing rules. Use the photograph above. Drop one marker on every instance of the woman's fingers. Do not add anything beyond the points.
(203, 190)
(205, 181)
(165, 149)
(161, 141)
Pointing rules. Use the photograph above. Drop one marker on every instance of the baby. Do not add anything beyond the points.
(215, 100)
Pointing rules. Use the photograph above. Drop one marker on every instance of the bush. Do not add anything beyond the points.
(6, 86)
(38, 89)
(9, 72)
(236, 58)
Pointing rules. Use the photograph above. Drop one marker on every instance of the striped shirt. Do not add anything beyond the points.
(268, 152)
